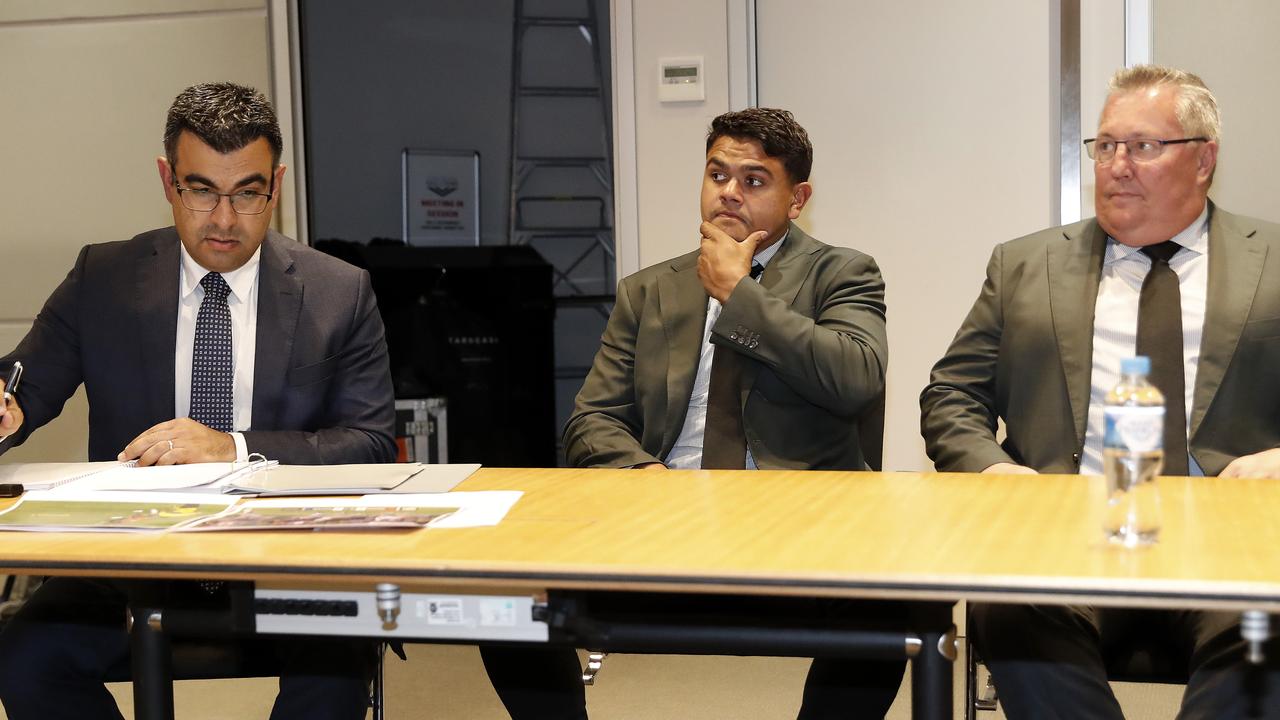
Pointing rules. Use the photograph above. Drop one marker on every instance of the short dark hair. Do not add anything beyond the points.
(225, 116)
(777, 132)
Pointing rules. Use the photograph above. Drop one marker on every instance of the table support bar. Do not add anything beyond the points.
(152, 671)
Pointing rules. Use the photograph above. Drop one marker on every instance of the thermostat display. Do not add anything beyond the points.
(680, 80)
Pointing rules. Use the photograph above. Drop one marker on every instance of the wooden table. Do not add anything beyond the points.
(909, 536)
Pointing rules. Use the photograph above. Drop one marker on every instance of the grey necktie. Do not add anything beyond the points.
(211, 367)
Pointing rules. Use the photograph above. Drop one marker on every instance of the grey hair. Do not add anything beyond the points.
(225, 116)
(1195, 107)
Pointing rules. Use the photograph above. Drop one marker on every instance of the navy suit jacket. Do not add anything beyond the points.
(321, 386)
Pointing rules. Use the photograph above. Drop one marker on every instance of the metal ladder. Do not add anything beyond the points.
(561, 193)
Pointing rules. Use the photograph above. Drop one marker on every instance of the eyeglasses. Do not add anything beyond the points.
(246, 202)
(1103, 150)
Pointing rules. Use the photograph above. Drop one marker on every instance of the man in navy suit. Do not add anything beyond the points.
(309, 383)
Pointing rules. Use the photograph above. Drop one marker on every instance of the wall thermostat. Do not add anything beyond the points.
(680, 80)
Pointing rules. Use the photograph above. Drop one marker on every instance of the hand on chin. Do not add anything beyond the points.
(732, 226)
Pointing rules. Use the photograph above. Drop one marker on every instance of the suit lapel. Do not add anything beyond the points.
(155, 294)
(782, 277)
(682, 304)
(1074, 268)
(279, 305)
(787, 271)
(1235, 269)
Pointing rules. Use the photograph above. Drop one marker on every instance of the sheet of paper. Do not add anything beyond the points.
(313, 515)
(437, 478)
(473, 509)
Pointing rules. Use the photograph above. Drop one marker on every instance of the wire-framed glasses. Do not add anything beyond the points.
(1103, 150)
(244, 202)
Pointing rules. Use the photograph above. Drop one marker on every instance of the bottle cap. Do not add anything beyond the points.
(1140, 365)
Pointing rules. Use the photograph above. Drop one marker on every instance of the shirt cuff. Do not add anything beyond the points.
(242, 448)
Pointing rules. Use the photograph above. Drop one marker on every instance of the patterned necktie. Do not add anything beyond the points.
(211, 359)
(724, 441)
(1160, 338)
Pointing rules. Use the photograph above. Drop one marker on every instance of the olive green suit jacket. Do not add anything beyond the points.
(1025, 353)
(812, 331)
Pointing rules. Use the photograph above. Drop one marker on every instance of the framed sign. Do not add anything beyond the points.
(441, 196)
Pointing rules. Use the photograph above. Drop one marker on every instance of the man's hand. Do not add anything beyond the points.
(178, 442)
(1265, 464)
(1009, 469)
(10, 415)
(723, 261)
(649, 466)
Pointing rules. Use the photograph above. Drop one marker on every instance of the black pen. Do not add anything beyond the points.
(11, 490)
(11, 382)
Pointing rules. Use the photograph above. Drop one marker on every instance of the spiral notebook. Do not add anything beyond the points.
(100, 476)
(47, 476)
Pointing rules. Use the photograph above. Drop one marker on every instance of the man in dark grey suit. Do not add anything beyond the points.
(297, 345)
(1042, 346)
(804, 333)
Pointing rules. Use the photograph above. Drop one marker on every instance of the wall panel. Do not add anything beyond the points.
(931, 125)
(1232, 47)
(81, 122)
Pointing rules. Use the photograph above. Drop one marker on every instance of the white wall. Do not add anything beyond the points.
(932, 140)
(671, 137)
(1231, 45)
(85, 87)
(1102, 28)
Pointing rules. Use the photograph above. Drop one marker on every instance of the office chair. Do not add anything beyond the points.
(1144, 661)
(210, 636)
(198, 659)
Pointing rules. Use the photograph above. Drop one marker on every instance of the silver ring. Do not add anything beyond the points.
(170, 444)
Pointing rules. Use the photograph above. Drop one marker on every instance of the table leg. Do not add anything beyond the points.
(152, 665)
(1255, 628)
(931, 676)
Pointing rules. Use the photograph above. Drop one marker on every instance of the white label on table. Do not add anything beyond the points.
(444, 611)
(497, 612)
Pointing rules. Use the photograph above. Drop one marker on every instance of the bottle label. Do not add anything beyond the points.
(1138, 429)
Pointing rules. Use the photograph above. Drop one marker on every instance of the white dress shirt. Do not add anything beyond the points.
(686, 454)
(243, 304)
(1115, 323)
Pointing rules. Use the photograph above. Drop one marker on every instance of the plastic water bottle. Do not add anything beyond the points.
(1133, 455)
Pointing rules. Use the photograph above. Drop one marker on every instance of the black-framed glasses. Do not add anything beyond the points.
(245, 202)
(1103, 150)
